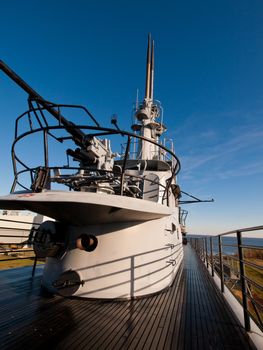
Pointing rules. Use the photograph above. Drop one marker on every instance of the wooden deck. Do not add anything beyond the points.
(189, 315)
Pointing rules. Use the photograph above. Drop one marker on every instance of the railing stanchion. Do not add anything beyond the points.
(206, 252)
(124, 164)
(203, 250)
(212, 256)
(221, 264)
(34, 266)
(243, 281)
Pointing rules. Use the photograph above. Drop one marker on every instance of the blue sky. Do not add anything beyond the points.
(209, 77)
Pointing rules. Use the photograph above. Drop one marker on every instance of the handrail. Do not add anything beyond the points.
(20, 222)
(218, 262)
(106, 131)
(247, 229)
(38, 121)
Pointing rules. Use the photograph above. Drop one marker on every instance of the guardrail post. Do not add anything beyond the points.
(124, 164)
(212, 256)
(243, 281)
(34, 266)
(221, 264)
(206, 253)
(203, 250)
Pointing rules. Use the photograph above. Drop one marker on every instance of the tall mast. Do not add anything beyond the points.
(148, 69)
(152, 71)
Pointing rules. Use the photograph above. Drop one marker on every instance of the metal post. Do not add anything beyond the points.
(134, 148)
(48, 184)
(243, 282)
(206, 252)
(221, 264)
(34, 266)
(212, 256)
(124, 164)
(202, 249)
(45, 148)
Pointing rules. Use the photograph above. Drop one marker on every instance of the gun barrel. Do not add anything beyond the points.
(77, 134)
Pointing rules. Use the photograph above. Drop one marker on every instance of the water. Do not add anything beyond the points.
(255, 242)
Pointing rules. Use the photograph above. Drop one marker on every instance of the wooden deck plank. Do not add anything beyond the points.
(117, 338)
(149, 338)
(135, 337)
(171, 333)
(161, 333)
(191, 314)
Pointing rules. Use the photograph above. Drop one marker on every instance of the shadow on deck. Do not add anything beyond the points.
(190, 315)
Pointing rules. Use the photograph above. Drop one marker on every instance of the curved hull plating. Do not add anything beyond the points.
(131, 260)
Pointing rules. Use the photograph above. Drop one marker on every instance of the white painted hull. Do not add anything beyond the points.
(131, 259)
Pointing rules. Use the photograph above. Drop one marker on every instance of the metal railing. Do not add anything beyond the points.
(239, 266)
(15, 247)
(36, 124)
